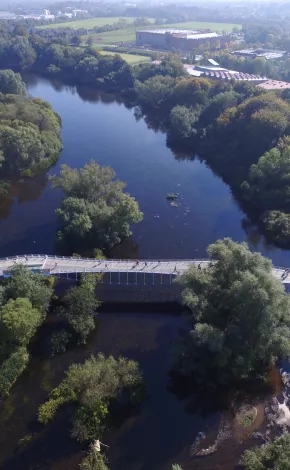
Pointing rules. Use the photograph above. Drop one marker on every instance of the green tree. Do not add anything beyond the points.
(271, 456)
(11, 83)
(97, 381)
(76, 40)
(155, 92)
(269, 180)
(277, 225)
(19, 321)
(93, 386)
(95, 207)
(93, 461)
(32, 286)
(80, 307)
(89, 422)
(181, 123)
(12, 368)
(29, 135)
(239, 313)
(90, 41)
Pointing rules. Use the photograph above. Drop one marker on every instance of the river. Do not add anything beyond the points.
(99, 126)
(160, 434)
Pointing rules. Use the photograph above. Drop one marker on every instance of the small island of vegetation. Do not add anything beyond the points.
(95, 211)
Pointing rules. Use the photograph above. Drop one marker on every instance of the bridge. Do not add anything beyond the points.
(133, 280)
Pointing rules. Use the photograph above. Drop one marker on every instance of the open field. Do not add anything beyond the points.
(90, 23)
(128, 34)
(132, 59)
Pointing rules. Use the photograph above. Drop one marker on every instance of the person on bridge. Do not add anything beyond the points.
(146, 263)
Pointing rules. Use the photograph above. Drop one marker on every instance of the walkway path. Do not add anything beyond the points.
(63, 265)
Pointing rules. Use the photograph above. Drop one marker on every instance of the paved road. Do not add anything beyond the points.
(59, 265)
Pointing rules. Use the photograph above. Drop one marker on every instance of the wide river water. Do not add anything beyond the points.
(100, 126)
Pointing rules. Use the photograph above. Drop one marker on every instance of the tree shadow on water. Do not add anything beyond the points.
(163, 428)
(53, 444)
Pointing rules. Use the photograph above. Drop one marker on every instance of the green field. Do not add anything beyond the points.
(132, 59)
(129, 35)
(90, 23)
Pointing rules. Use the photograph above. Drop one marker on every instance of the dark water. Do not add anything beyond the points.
(151, 439)
(154, 438)
(101, 127)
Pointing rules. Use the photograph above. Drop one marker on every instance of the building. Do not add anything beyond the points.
(77, 13)
(37, 15)
(253, 53)
(220, 73)
(275, 85)
(178, 39)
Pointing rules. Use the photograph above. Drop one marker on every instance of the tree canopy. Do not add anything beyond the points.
(95, 207)
(29, 135)
(11, 83)
(239, 313)
(269, 180)
(80, 306)
(24, 300)
(271, 456)
(93, 386)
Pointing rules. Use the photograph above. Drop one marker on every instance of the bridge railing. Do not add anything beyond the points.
(111, 260)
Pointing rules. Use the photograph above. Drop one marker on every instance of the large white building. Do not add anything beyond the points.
(178, 39)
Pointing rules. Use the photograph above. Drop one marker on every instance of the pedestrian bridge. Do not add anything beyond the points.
(125, 280)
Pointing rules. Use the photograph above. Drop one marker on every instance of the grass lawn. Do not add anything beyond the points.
(128, 34)
(88, 24)
(132, 59)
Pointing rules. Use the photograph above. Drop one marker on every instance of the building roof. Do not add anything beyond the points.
(203, 36)
(189, 34)
(267, 53)
(228, 75)
(223, 74)
(274, 85)
(168, 30)
(213, 62)
(191, 71)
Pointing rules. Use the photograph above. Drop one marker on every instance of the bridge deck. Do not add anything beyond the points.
(63, 265)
